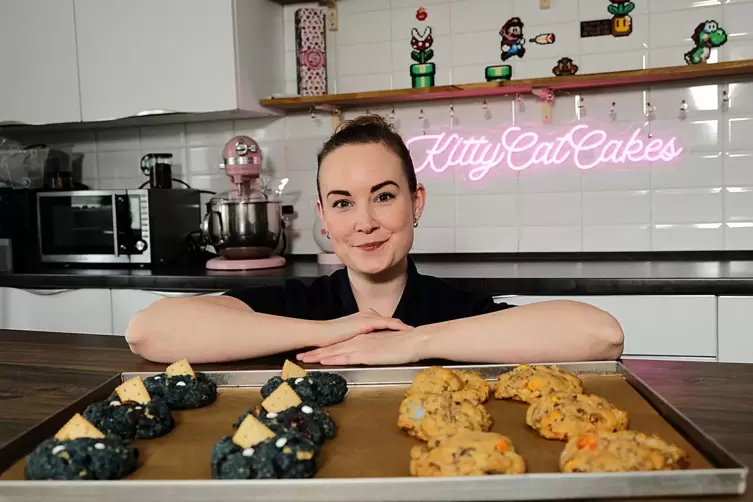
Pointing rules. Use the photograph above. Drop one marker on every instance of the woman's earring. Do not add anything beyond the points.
(327, 235)
(415, 223)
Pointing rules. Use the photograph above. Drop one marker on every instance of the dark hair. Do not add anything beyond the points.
(368, 129)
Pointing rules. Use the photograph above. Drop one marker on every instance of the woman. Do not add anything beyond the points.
(379, 309)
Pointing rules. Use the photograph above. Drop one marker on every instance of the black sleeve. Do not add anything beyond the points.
(487, 305)
(288, 300)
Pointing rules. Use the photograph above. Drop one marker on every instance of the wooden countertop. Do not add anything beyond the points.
(40, 373)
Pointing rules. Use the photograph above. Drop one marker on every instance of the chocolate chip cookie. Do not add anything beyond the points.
(427, 416)
(475, 387)
(527, 383)
(467, 453)
(564, 416)
(461, 385)
(621, 452)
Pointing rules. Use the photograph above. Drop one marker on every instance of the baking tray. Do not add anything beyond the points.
(369, 458)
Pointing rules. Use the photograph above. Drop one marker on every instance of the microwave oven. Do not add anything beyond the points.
(136, 227)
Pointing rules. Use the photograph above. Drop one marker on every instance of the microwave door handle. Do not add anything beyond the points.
(115, 225)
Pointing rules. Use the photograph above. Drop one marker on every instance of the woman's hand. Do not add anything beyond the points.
(373, 348)
(345, 328)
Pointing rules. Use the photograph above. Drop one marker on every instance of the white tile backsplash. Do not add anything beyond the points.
(481, 48)
(695, 170)
(486, 240)
(695, 135)
(549, 239)
(687, 237)
(113, 140)
(617, 177)
(365, 27)
(469, 16)
(617, 208)
(115, 165)
(738, 204)
(154, 138)
(486, 210)
(701, 201)
(738, 238)
(208, 133)
(558, 12)
(738, 169)
(599, 63)
(617, 238)
(434, 240)
(440, 213)
(548, 209)
(404, 20)
(204, 159)
(674, 28)
(738, 133)
(687, 206)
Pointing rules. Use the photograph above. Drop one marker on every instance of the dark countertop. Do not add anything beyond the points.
(497, 275)
(41, 373)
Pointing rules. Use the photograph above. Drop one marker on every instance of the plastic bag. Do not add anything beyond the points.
(21, 167)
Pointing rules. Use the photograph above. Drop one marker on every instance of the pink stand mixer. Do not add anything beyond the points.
(245, 224)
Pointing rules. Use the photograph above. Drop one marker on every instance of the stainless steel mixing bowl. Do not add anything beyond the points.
(243, 229)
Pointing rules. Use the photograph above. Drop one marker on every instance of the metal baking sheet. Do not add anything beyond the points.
(368, 460)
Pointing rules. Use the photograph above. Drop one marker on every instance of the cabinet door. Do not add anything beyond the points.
(68, 311)
(141, 57)
(126, 303)
(3, 323)
(38, 62)
(736, 329)
(673, 326)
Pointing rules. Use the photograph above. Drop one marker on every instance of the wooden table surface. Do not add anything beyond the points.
(41, 373)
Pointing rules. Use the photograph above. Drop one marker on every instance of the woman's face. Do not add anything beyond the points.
(367, 207)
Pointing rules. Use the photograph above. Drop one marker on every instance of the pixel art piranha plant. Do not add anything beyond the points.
(422, 71)
(622, 23)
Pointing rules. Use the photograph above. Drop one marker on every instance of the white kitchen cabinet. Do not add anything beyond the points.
(143, 57)
(128, 302)
(2, 309)
(658, 326)
(65, 310)
(38, 62)
(735, 329)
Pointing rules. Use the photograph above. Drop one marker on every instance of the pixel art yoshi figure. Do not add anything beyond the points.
(706, 36)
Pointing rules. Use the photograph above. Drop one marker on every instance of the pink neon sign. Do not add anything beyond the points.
(583, 145)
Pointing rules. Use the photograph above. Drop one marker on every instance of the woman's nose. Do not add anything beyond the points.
(366, 222)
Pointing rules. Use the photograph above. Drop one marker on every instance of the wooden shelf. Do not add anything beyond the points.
(575, 83)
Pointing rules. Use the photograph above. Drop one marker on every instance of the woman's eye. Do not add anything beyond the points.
(340, 204)
(385, 196)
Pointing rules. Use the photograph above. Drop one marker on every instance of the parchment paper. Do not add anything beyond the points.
(368, 442)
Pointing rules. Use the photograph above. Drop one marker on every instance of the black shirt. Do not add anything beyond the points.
(425, 299)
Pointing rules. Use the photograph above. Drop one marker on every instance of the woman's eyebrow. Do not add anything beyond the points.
(376, 187)
(343, 193)
(383, 184)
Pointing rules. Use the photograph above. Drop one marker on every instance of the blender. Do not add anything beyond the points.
(245, 225)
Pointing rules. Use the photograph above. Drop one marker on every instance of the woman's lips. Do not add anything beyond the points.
(371, 246)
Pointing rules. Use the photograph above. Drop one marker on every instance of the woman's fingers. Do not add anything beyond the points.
(332, 350)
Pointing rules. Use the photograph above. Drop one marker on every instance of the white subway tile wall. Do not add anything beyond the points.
(702, 201)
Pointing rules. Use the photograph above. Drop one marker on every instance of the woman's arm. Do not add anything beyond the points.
(553, 331)
(213, 329)
(219, 329)
(558, 330)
